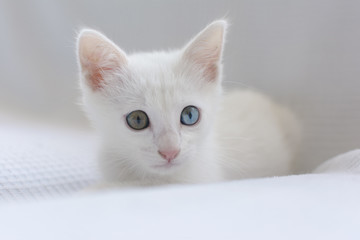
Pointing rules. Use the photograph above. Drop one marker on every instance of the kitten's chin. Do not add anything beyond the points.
(165, 168)
(166, 165)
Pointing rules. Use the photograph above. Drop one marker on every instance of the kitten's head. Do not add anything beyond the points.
(154, 110)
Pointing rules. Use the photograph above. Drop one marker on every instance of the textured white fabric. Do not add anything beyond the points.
(348, 162)
(323, 206)
(37, 162)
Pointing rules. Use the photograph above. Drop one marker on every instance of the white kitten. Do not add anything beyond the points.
(162, 118)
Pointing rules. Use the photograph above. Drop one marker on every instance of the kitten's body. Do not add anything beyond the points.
(264, 141)
(241, 135)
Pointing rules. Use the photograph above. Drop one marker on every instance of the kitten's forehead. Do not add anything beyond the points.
(159, 81)
(156, 78)
(152, 61)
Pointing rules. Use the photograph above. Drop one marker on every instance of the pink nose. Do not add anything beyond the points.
(169, 155)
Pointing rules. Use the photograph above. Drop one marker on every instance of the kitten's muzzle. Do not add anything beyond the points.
(169, 155)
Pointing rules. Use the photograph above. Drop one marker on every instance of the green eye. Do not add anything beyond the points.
(189, 116)
(137, 120)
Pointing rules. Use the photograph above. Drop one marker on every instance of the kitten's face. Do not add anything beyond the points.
(155, 110)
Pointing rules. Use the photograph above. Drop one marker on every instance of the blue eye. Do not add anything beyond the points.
(189, 116)
(137, 120)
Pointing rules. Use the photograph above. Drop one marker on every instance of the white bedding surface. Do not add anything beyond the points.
(348, 162)
(44, 161)
(316, 206)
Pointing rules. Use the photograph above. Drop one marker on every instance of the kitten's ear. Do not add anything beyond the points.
(205, 50)
(98, 56)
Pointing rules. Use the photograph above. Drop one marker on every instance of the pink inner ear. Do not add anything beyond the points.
(208, 60)
(206, 48)
(100, 60)
(211, 72)
(95, 77)
(98, 56)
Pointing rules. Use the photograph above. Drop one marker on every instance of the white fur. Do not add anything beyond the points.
(241, 135)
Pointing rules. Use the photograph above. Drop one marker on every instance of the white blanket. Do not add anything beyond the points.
(39, 162)
(316, 206)
(347, 163)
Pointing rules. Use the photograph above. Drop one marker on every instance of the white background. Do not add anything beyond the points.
(304, 53)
